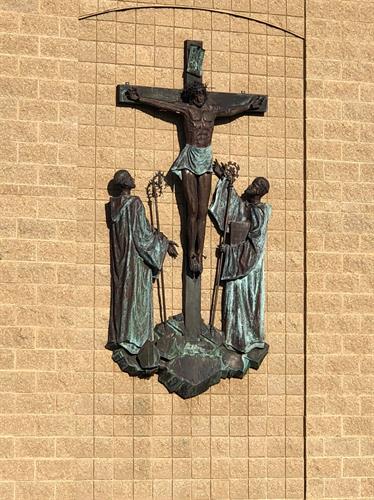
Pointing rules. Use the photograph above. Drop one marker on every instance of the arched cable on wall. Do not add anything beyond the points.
(201, 9)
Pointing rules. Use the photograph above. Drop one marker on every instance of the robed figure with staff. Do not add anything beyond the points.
(242, 254)
(137, 255)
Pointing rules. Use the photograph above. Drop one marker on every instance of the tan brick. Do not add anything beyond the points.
(36, 229)
(35, 403)
(52, 425)
(64, 339)
(56, 209)
(18, 44)
(36, 315)
(8, 65)
(64, 469)
(69, 27)
(9, 21)
(8, 107)
(74, 447)
(319, 302)
(8, 152)
(76, 489)
(324, 467)
(359, 304)
(6, 359)
(340, 405)
(357, 467)
(64, 382)
(34, 490)
(20, 6)
(58, 91)
(60, 133)
(8, 228)
(38, 67)
(16, 469)
(367, 446)
(361, 152)
(36, 359)
(355, 426)
(13, 293)
(39, 25)
(34, 447)
(37, 153)
(36, 273)
(18, 131)
(38, 110)
(358, 384)
(341, 447)
(7, 490)
(342, 488)
(54, 7)
(367, 92)
(367, 485)
(6, 447)
(59, 47)
(17, 382)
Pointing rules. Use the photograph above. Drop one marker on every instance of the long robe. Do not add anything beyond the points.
(137, 254)
(243, 304)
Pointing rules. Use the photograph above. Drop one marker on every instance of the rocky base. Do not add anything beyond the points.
(185, 367)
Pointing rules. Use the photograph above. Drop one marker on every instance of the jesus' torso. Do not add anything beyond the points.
(199, 124)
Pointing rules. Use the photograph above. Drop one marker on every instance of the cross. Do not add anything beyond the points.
(189, 77)
(199, 110)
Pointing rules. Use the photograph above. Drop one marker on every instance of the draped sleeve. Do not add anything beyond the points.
(150, 244)
(217, 208)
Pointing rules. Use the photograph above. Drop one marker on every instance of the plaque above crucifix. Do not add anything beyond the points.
(199, 110)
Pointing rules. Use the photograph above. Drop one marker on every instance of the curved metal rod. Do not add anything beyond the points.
(184, 7)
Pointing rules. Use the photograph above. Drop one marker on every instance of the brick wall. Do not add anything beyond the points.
(340, 113)
(71, 425)
(242, 439)
(45, 337)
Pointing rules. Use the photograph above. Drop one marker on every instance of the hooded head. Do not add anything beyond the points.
(124, 179)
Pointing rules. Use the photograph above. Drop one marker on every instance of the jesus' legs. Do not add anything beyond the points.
(196, 191)
(190, 191)
(204, 184)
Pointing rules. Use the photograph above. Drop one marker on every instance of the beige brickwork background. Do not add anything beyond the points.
(242, 439)
(71, 425)
(340, 113)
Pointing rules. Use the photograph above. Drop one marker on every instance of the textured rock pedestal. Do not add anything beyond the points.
(184, 367)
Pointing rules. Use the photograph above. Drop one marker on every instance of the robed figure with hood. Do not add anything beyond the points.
(242, 275)
(137, 255)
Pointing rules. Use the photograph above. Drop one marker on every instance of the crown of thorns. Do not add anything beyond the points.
(193, 88)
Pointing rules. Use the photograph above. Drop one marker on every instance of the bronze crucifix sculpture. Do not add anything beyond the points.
(199, 111)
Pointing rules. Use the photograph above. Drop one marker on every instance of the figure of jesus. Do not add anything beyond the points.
(194, 163)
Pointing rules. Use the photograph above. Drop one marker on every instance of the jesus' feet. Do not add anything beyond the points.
(194, 263)
(200, 258)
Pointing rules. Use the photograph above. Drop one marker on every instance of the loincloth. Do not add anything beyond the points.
(196, 160)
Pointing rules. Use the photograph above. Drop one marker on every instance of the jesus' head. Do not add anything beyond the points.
(196, 94)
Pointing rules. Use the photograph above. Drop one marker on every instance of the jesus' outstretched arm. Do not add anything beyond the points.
(253, 104)
(175, 107)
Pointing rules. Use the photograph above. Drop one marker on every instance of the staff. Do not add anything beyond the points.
(231, 171)
(155, 188)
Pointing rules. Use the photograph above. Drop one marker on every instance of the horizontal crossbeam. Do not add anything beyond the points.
(174, 95)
